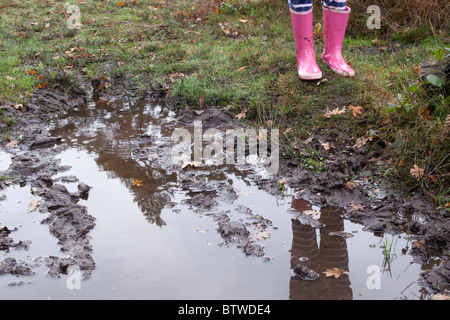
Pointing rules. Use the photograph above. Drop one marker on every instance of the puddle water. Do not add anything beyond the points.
(149, 242)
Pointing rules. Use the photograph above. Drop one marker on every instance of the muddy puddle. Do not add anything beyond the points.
(158, 230)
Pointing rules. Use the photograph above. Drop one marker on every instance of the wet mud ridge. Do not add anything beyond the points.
(35, 165)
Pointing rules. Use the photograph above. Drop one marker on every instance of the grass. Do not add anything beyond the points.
(387, 248)
(241, 55)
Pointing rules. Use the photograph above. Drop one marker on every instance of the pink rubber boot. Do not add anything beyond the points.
(334, 26)
(302, 24)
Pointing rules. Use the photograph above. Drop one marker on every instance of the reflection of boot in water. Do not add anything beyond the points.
(304, 246)
(334, 254)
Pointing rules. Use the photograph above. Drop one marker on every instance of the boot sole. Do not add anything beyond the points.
(316, 76)
(340, 72)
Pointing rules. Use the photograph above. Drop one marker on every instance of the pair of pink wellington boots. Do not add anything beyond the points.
(334, 26)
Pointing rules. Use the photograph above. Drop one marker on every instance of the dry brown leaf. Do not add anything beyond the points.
(137, 183)
(418, 243)
(335, 272)
(241, 115)
(350, 185)
(356, 207)
(355, 110)
(336, 111)
(326, 145)
(416, 172)
(361, 142)
(18, 107)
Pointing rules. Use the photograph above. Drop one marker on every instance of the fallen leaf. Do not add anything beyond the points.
(137, 183)
(18, 107)
(326, 145)
(416, 172)
(11, 143)
(336, 111)
(350, 185)
(202, 231)
(356, 207)
(355, 110)
(226, 31)
(335, 272)
(193, 164)
(321, 81)
(242, 68)
(260, 236)
(433, 178)
(418, 243)
(311, 212)
(241, 115)
(440, 296)
(361, 142)
(33, 205)
(376, 42)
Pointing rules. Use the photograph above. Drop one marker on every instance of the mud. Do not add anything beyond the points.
(35, 166)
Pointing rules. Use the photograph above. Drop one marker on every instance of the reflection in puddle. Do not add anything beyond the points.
(151, 243)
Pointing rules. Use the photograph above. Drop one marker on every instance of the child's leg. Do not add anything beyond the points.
(334, 4)
(302, 24)
(300, 6)
(335, 22)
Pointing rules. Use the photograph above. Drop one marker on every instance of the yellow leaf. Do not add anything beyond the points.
(335, 272)
(33, 205)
